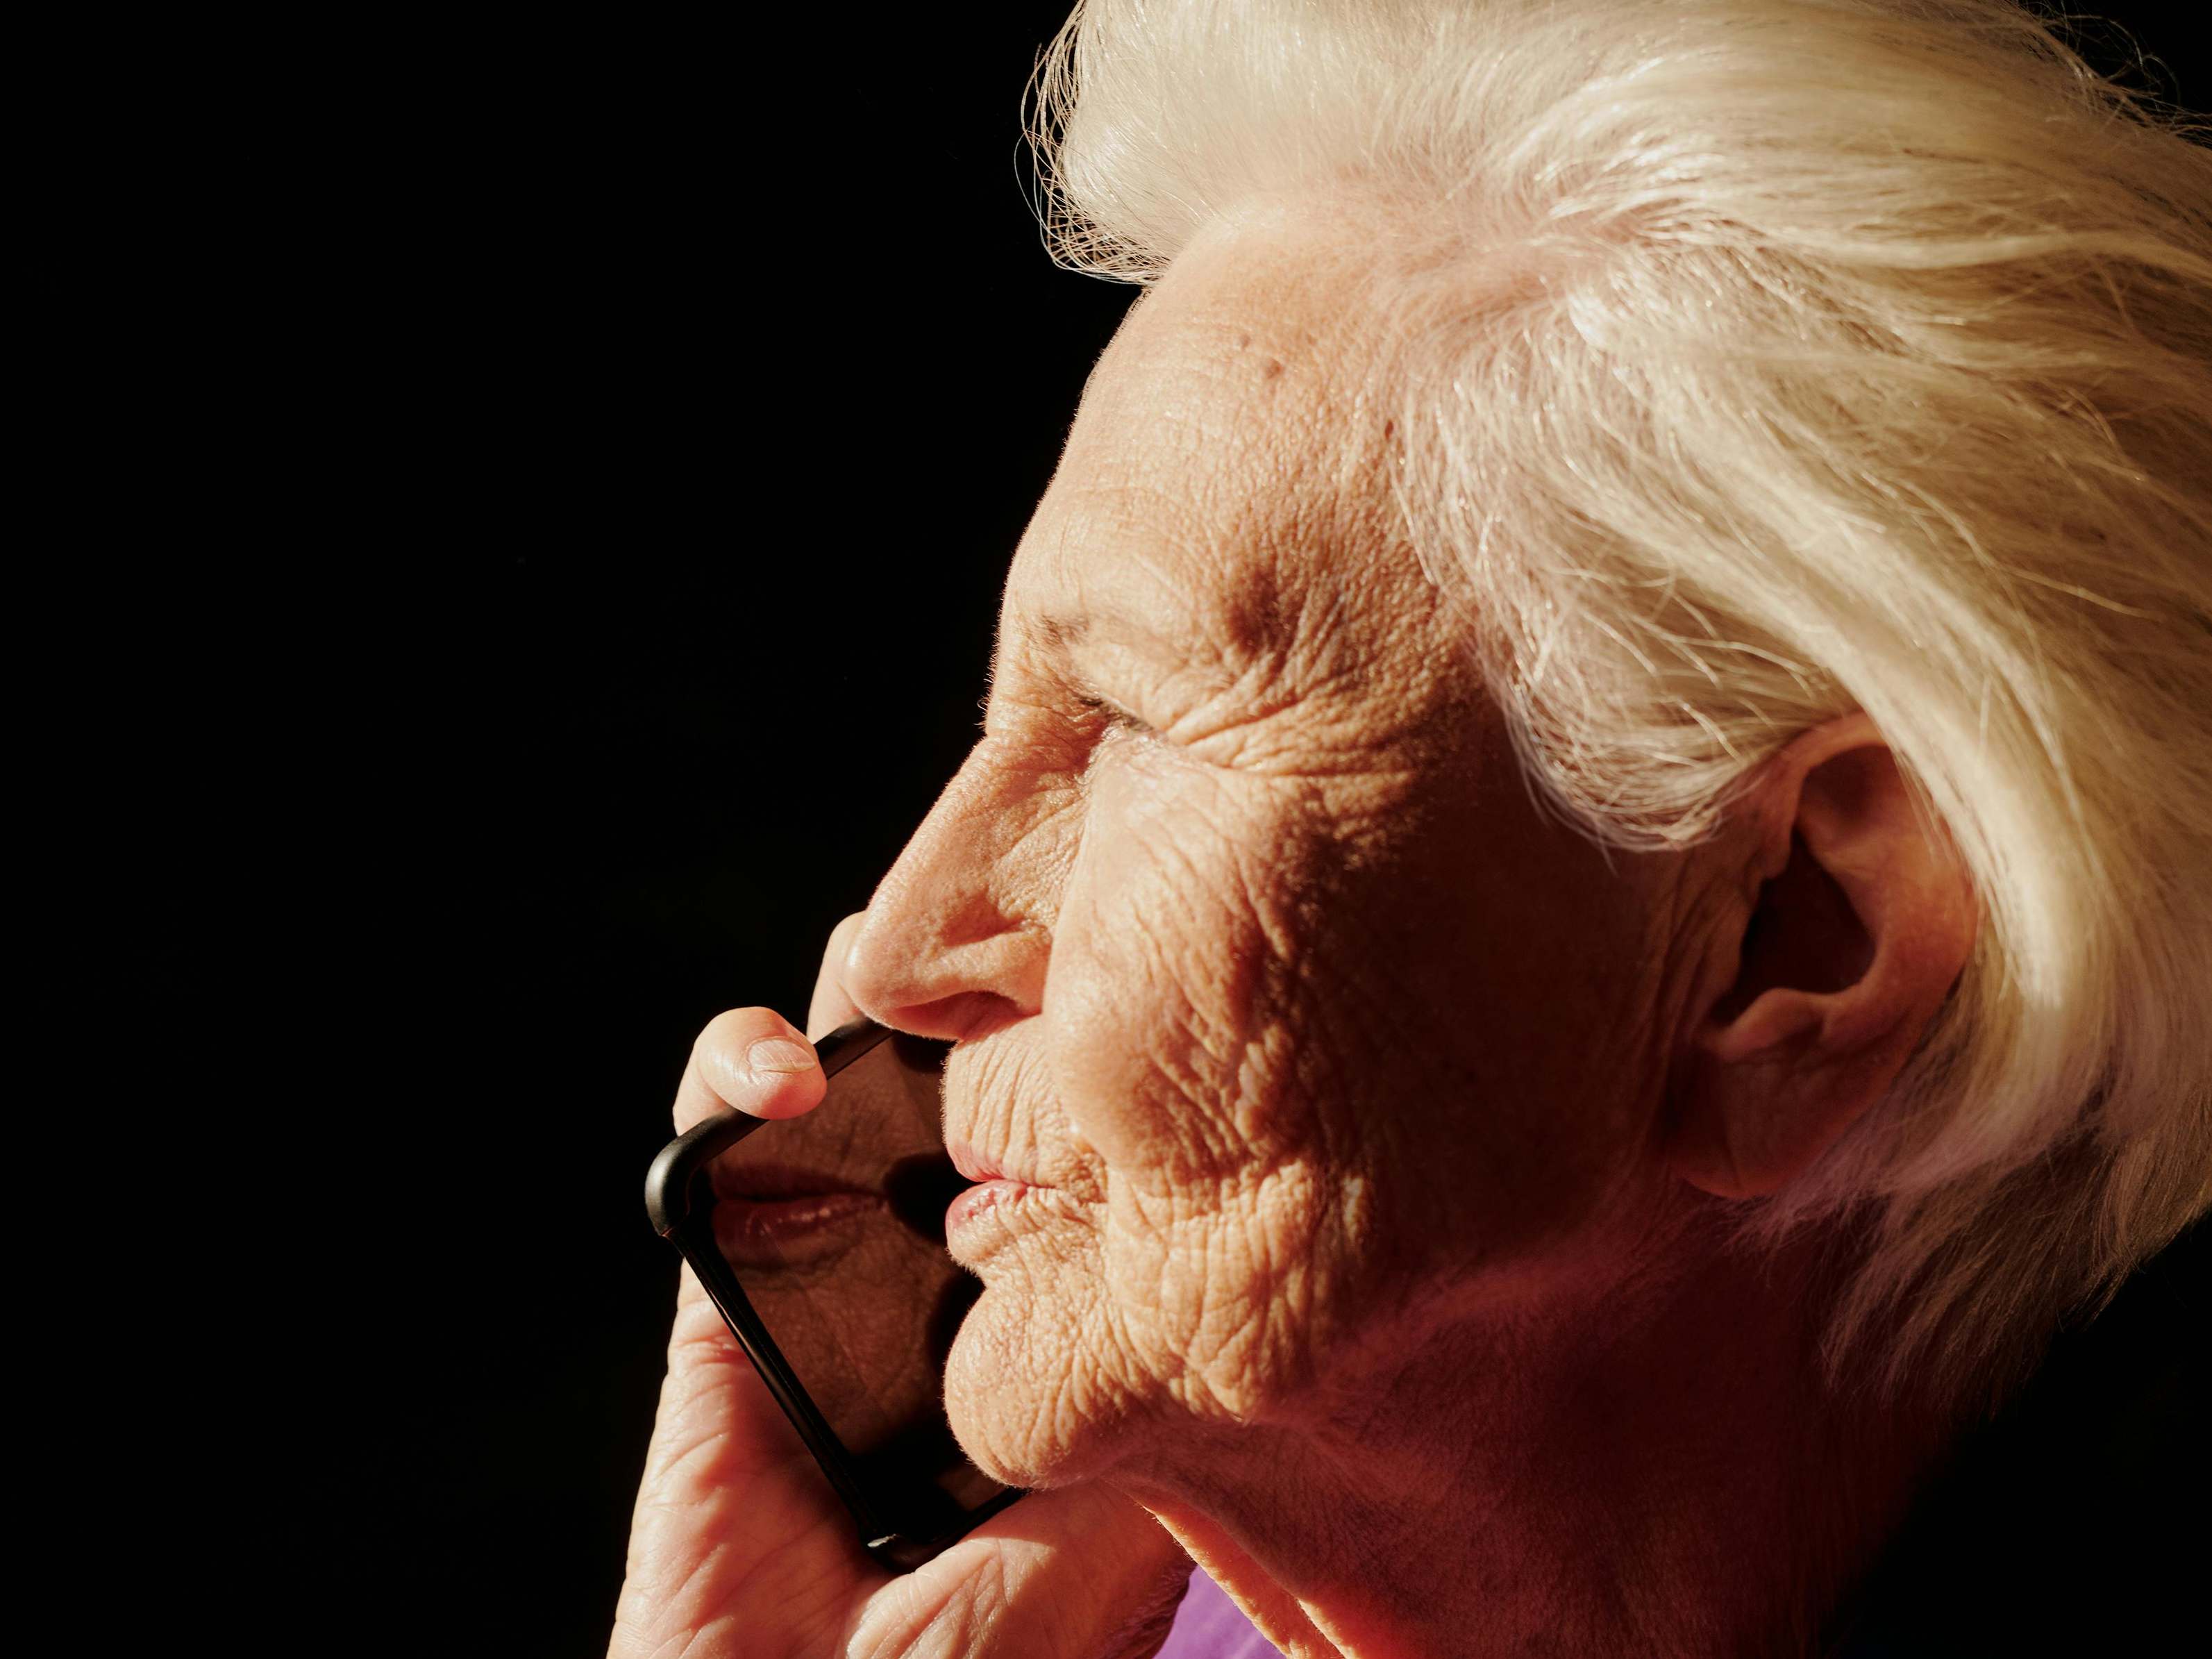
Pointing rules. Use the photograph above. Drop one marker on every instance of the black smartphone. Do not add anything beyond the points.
(822, 1239)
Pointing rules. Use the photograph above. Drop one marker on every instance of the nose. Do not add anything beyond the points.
(959, 932)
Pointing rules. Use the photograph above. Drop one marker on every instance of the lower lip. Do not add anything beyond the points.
(982, 1200)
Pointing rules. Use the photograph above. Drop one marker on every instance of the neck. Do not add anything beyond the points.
(1663, 1472)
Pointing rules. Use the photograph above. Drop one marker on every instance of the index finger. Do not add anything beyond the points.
(831, 1007)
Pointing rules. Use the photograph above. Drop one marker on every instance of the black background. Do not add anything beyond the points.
(671, 398)
(741, 368)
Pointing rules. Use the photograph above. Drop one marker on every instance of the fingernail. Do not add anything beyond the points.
(780, 1054)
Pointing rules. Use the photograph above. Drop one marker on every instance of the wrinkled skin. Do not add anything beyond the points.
(1279, 988)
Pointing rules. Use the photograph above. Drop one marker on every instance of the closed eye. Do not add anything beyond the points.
(1113, 715)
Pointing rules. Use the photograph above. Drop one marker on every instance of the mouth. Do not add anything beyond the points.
(994, 1191)
(986, 1198)
(978, 1166)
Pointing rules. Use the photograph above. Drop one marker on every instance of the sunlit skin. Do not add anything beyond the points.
(1257, 990)
(1371, 1125)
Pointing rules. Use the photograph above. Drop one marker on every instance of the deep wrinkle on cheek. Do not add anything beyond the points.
(1190, 991)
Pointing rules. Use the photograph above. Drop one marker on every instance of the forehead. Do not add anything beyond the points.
(1228, 454)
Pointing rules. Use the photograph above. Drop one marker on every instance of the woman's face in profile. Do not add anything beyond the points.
(1278, 993)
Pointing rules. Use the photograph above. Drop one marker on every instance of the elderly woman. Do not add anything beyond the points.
(1585, 902)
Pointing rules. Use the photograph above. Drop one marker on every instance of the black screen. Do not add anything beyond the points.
(833, 1223)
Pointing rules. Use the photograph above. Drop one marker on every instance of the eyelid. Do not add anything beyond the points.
(1113, 713)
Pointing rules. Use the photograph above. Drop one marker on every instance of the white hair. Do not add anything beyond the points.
(1756, 361)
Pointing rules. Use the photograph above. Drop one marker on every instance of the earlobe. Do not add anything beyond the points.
(1862, 924)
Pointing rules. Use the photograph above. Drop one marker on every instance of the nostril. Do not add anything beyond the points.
(941, 962)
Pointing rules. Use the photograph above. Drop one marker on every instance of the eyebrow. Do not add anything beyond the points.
(1061, 631)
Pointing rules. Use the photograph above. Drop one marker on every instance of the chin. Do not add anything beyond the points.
(1027, 1394)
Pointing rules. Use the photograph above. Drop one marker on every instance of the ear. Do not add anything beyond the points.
(1854, 919)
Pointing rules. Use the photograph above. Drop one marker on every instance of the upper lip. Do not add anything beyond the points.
(982, 1166)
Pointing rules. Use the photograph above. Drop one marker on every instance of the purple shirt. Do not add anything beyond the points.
(1207, 1626)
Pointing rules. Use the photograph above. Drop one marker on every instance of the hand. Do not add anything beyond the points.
(739, 1549)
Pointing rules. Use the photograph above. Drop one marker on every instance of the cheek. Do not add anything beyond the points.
(1226, 1301)
(1097, 1335)
(1179, 997)
(1198, 1060)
